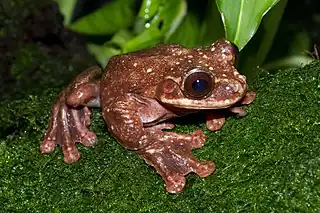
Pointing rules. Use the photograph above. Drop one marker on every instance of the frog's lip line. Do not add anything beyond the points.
(202, 104)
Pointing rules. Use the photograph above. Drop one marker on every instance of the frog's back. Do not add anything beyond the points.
(134, 72)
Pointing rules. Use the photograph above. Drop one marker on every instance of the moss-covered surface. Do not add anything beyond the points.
(268, 161)
(36, 51)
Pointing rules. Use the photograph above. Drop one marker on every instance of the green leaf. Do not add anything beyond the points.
(108, 19)
(256, 50)
(187, 33)
(212, 26)
(120, 39)
(241, 18)
(173, 12)
(103, 53)
(159, 18)
(148, 38)
(66, 8)
(148, 9)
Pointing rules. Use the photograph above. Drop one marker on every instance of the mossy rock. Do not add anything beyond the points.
(267, 161)
(36, 50)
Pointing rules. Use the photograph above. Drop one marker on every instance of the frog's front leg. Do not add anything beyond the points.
(216, 119)
(133, 121)
(70, 116)
(171, 155)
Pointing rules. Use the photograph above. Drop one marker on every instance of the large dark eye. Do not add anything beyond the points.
(198, 83)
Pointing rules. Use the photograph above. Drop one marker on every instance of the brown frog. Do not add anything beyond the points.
(139, 92)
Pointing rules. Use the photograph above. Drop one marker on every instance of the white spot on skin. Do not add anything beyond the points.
(128, 121)
(80, 94)
(224, 75)
(190, 56)
(227, 102)
(177, 63)
(152, 151)
(112, 127)
(205, 56)
(189, 61)
(200, 53)
(135, 64)
(211, 68)
(213, 49)
(149, 70)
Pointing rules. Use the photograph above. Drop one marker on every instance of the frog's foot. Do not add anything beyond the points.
(174, 183)
(70, 116)
(247, 99)
(172, 158)
(215, 122)
(239, 111)
(68, 125)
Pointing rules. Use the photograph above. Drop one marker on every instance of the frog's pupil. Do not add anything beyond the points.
(200, 85)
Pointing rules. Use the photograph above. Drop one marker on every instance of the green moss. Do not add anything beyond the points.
(267, 161)
(36, 53)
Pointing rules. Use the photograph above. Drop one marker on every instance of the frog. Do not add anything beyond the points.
(141, 93)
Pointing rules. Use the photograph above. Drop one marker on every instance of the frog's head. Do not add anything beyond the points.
(209, 80)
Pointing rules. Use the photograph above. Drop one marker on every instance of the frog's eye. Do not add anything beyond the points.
(198, 83)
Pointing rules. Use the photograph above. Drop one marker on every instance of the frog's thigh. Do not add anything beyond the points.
(127, 115)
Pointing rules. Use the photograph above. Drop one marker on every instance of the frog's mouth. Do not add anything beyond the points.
(208, 103)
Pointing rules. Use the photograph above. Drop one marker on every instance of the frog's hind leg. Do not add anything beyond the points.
(70, 116)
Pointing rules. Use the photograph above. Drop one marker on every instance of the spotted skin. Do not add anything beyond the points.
(139, 93)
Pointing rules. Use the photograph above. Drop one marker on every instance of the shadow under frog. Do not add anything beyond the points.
(140, 92)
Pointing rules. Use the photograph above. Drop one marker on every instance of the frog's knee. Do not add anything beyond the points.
(84, 94)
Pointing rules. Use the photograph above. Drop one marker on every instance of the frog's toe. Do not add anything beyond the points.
(173, 160)
(215, 121)
(71, 154)
(88, 139)
(239, 111)
(175, 183)
(204, 169)
(198, 138)
(248, 98)
(47, 146)
(68, 126)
